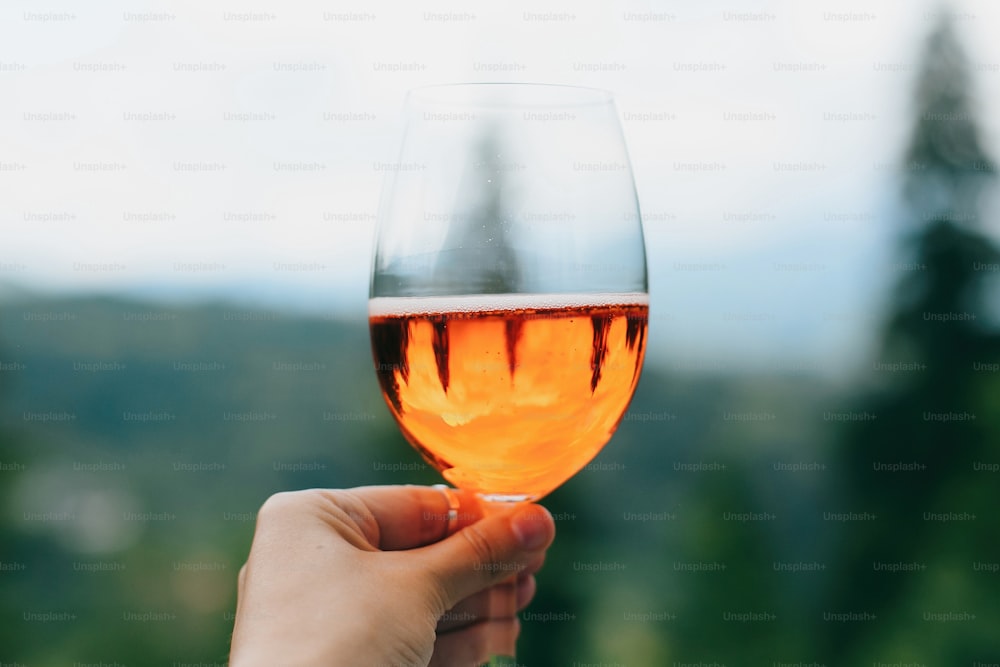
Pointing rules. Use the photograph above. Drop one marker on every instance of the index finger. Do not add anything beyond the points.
(414, 516)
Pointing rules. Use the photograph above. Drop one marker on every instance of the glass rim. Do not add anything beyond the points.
(509, 94)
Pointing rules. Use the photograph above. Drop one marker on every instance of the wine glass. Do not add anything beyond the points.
(508, 305)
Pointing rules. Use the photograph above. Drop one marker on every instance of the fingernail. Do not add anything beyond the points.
(531, 526)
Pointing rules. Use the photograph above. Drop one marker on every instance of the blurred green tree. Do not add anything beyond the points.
(481, 226)
(911, 457)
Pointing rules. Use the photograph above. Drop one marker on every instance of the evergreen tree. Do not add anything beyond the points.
(476, 256)
(931, 405)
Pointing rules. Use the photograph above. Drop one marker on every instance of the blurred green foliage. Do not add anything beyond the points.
(659, 547)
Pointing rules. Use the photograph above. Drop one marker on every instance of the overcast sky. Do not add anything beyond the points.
(234, 148)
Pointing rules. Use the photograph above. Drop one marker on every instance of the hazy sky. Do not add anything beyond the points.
(235, 147)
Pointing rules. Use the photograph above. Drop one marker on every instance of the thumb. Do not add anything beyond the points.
(488, 551)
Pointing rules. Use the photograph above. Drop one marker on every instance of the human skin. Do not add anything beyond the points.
(373, 576)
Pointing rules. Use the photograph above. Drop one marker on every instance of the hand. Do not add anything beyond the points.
(370, 576)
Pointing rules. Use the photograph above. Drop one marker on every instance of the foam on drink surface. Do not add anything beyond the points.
(384, 306)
